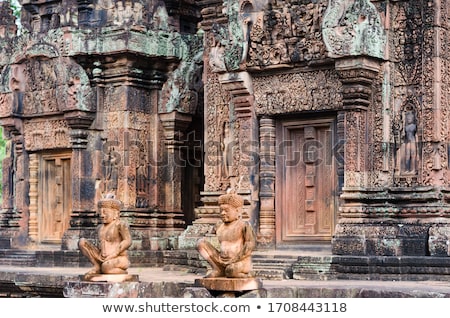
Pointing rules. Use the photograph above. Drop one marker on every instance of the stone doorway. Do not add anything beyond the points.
(306, 183)
(55, 202)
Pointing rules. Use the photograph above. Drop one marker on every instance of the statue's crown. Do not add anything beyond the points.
(109, 201)
(231, 198)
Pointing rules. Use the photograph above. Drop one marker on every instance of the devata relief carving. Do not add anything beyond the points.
(405, 130)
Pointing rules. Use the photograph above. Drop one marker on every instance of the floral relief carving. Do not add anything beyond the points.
(319, 90)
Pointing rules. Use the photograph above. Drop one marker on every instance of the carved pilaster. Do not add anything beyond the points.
(239, 85)
(83, 215)
(174, 125)
(33, 193)
(357, 75)
(10, 215)
(266, 234)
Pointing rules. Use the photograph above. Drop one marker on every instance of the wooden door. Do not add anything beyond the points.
(306, 181)
(56, 197)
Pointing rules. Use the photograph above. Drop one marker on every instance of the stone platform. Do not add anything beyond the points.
(159, 283)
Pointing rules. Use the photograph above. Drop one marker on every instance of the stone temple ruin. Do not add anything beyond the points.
(331, 119)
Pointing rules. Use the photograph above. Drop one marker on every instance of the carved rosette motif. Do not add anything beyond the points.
(293, 92)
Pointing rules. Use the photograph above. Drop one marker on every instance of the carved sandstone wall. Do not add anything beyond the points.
(110, 87)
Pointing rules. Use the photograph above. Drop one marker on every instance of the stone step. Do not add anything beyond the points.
(313, 268)
(17, 257)
(273, 267)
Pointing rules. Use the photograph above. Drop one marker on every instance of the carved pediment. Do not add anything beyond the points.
(43, 85)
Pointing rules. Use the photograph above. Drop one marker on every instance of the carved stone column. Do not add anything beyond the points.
(83, 215)
(239, 86)
(357, 75)
(266, 233)
(21, 198)
(34, 196)
(245, 165)
(174, 125)
(14, 201)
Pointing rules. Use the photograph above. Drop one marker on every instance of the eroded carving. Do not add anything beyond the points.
(286, 32)
(353, 28)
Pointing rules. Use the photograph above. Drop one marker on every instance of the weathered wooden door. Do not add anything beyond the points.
(56, 197)
(306, 181)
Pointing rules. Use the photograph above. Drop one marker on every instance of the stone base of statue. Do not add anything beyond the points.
(103, 286)
(229, 284)
(112, 278)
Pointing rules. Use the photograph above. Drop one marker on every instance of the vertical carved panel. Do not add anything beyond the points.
(357, 76)
(352, 152)
(267, 180)
(217, 113)
(33, 193)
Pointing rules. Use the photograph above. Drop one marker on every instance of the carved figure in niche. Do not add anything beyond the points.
(410, 157)
(114, 239)
(141, 175)
(227, 143)
(409, 140)
(405, 136)
(111, 172)
(217, 50)
(236, 238)
(141, 182)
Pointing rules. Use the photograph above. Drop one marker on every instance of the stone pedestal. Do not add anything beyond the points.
(229, 284)
(114, 278)
(103, 286)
